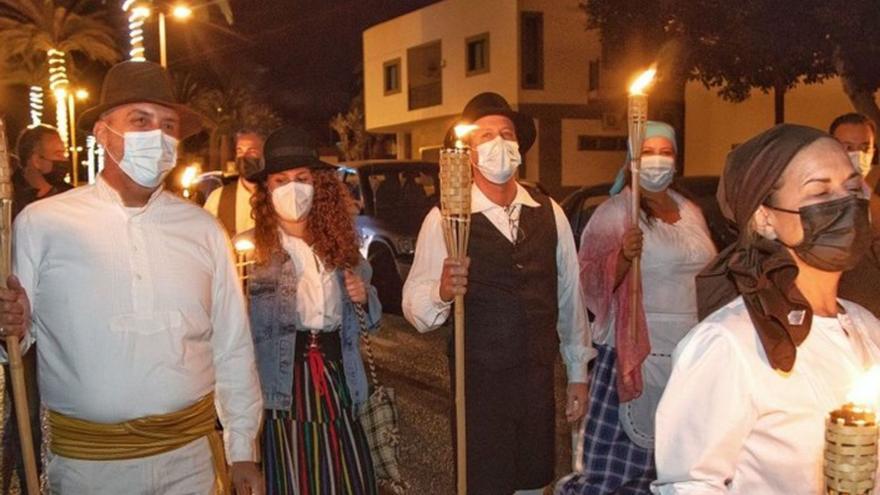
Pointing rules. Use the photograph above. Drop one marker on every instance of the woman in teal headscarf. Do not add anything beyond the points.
(631, 369)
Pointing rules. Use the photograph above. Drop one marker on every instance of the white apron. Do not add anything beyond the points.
(672, 257)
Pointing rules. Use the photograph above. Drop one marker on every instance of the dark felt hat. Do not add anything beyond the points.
(489, 103)
(288, 148)
(136, 82)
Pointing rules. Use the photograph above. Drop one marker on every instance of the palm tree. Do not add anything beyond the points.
(30, 29)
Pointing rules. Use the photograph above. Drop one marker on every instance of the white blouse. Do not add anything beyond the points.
(318, 294)
(729, 423)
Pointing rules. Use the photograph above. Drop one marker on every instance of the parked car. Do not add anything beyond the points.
(394, 197)
(581, 204)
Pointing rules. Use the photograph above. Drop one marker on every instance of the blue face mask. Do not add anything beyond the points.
(656, 172)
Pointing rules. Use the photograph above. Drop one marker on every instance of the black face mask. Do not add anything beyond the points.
(248, 165)
(60, 169)
(837, 233)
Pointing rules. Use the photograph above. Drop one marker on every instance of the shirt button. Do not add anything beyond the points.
(138, 276)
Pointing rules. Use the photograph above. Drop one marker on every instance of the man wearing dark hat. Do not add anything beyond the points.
(522, 304)
(133, 297)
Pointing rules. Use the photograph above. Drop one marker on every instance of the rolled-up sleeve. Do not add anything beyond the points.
(575, 342)
(422, 305)
(238, 395)
(697, 447)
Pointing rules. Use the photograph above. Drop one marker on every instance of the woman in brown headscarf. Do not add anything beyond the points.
(744, 409)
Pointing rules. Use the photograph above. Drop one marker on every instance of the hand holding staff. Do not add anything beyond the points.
(14, 314)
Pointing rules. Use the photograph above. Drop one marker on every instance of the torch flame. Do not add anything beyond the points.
(189, 175)
(866, 390)
(244, 245)
(643, 81)
(461, 130)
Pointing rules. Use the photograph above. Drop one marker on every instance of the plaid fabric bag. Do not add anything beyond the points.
(378, 416)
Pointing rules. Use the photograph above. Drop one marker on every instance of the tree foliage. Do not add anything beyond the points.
(29, 28)
(770, 45)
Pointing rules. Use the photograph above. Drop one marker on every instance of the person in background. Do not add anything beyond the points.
(231, 204)
(632, 369)
(777, 349)
(856, 133)
(303, 289)
(522, 307)
(40, 174)
(43, 166)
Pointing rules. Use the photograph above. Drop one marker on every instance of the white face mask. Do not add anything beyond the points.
(148, 156)
(861, 161)
(498, 159)
(656, 172)
(293, 200)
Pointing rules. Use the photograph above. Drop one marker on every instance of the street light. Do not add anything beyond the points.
(180, 12)
(82, 94)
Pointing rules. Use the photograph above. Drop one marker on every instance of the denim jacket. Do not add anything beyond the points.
(272, 287)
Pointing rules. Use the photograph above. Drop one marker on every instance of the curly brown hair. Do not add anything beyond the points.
(330, 230)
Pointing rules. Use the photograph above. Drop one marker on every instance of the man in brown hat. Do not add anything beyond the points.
(522, 306)
(133, 297)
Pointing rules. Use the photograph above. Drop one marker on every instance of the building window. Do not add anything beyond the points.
(602, 143)
(477, 54)
(391, 71)
(593, 83)
(532, 49)
(424, 71)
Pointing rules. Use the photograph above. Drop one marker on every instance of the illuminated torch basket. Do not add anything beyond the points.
(850, 456)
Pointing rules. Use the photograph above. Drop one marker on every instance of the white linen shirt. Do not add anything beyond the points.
(730, 424)
(243, 219)
(137, 311)
(318, 295)
(425, 310)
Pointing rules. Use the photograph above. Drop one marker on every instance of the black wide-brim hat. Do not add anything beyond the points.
(140, 82)
(489, 103)
(288, 148)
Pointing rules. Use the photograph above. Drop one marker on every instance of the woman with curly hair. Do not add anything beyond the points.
(303, 291)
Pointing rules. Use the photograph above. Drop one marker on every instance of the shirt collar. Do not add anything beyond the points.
(106, 192)
(480, 203)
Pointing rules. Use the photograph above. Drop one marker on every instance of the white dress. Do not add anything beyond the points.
(729, 423)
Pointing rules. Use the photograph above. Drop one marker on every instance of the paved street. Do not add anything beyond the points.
(415, 366)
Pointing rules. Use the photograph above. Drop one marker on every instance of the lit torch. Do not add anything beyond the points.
(455, 205)
(187, 179)
(637, 119)
(851, 440)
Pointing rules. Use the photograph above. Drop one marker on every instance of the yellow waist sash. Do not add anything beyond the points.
(141, 437)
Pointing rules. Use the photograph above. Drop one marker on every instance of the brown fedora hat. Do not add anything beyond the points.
(489, 103)
(134, 82)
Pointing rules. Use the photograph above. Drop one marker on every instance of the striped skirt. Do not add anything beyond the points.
(319, 446)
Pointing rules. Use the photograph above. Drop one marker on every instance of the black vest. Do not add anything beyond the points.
(511, 306)
(227, 206)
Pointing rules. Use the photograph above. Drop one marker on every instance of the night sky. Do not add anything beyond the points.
(304, 56)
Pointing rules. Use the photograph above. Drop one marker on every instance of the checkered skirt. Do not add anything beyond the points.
(613, 464)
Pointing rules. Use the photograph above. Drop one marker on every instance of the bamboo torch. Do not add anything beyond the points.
(455, 206)
(637, 119)
(13, 348)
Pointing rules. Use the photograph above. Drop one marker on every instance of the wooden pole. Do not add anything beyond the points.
(13, 348)
(455, 206)
(460, 419)
(637, 119)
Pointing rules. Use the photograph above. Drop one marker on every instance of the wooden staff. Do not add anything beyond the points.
(13, 348)
(455, 206)
(637, 119)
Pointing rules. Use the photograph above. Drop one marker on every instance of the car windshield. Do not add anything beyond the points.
(410, 188)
